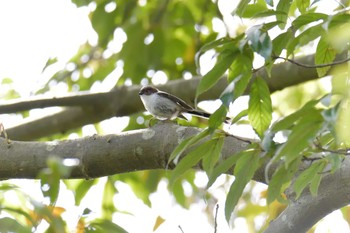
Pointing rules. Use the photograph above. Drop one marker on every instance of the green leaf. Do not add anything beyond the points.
(102, 225)
(280, 179)
(283, 6)
(20, 211)
(11, 225)
(303, 5)
(212, 155)
(325, 54)
(241, 84)
(305, 37)
(260, 40)
(254, 9)
(240, 73)
(82, 188)
(268, 13)
(300, 138)
(335, 21)
(241, 66)
(308, 175)
(335, 160)
(108, 207)
(8, 187)
(213, 45)
(225, 165)
(340, 81)
(216, 119)
(208, 80)
(103, 23)
(267, 144)
(315, 183)
(243, 175)
(305, 19)
(342, 125)
(288, 121)
(239, 116)
(177, 152)
(241, 7)
(191, 159)
(179, 193)
(260, 107)
(56, 222)
(226, 96)
(281, 41)
(50, 178)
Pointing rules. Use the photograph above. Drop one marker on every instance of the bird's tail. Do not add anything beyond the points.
(205, 115)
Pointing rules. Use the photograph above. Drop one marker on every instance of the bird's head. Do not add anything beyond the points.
(148, 90)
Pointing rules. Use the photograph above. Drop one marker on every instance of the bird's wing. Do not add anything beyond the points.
(177, 100)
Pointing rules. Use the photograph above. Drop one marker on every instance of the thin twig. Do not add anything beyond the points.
(181, 229)
(3, 131)
(216, 218)
(340, 151)
(312, 66)
(312, 159)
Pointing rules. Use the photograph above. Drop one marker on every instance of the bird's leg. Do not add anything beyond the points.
(3, 131)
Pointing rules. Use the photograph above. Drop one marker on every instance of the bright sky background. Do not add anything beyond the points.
(34, 30)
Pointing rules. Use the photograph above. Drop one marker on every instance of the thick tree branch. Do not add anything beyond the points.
(302, 214)
(132, 151)
(103, 155)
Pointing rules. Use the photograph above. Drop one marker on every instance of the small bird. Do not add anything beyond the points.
(165, 106)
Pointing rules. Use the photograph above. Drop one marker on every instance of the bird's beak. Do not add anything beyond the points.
(140, 93)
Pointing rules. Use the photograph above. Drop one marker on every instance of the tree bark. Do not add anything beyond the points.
(147, 149)
(103, 155)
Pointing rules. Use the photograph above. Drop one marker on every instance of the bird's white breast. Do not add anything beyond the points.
(160, 107)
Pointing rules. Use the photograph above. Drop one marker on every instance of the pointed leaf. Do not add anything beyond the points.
(102, 225)
(281, 177)
(300, 138)
(241, 7)
(108, 207)
(212, 45)
(239, 116)
(225, 59)
(260, 107)
(242, 177)
(260, 40)
(325, 54)
(224, 166)
(82, 189)
(315, 182)
(217, 118)
(307, 177)
(303, 5)
(11, 225)
(253, 9)
(305, 19)
(212, 155)
(191, 159)
(283, 5)
(281, 41)
(185, 144)
(288, 121)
